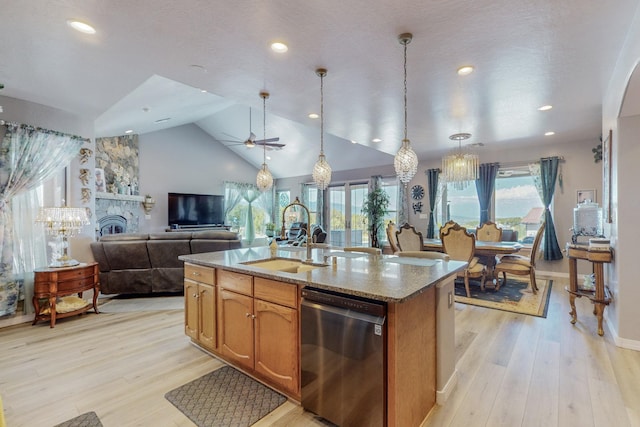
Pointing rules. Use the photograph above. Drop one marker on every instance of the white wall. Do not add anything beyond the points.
(621, 315)
(185, 159)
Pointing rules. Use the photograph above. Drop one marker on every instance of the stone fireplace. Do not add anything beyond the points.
(118, 213)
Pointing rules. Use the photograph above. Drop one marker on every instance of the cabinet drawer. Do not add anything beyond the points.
(76, 273)
(199, 273)
(237, 282)
(276, 292)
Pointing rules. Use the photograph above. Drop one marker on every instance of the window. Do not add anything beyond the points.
(390, 186)
(517, 203)
(312, 203)
(461, 206)
(283, 198)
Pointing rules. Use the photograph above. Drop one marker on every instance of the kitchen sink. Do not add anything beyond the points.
(284, 265)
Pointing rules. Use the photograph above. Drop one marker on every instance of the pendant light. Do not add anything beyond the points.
(406, 160)
(460, 167)
(264, 180)
(322, 170)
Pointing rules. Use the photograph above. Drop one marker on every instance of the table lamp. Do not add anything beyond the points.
(63, 222)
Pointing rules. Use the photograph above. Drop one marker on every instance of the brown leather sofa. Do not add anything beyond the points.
(148, 263)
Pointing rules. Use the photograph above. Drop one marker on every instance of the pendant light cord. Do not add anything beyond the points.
(321, 113)
(264, 129)
(405, 89)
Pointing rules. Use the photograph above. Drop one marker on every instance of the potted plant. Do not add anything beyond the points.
(376, 207)
(270, 229)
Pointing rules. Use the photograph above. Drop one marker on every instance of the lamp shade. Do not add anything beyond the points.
(63, 222)
(322, 173)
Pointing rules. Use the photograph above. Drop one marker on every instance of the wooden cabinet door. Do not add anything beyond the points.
(235, 322)
(207, 321)
(191, 311)
(276, 341)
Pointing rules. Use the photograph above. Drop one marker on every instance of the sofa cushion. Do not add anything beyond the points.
(127, 282)
(100, 256)
(215, 235)
(164, 253)
(177, 235)
(127, 255)
(119, 237)
(199, 246)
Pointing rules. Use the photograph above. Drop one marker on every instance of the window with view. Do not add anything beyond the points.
(461, 206)
(517, 203)
(390, 186)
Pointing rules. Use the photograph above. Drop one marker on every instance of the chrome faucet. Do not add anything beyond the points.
(296, 202)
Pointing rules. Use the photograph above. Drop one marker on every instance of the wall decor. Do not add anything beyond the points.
(85, 153)
(417, 192)
(100, 182)
(606, 176)
(85, 194)
(84, 176)
(417, 207)
(586, 196)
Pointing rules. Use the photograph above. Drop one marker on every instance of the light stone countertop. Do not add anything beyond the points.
(379, 277)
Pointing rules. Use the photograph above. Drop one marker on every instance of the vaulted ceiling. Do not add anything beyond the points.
(153, 59)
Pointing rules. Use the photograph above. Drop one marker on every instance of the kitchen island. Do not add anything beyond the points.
(247, 313)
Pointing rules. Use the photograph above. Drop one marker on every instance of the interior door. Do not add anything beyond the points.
(347, 224)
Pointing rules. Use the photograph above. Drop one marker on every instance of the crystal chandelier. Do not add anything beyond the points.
(406, 160)
(460, 168)
(322, 170)
(63, 222)
(264, 180)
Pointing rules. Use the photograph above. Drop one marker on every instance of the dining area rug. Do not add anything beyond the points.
(225, 398)
(516, 296)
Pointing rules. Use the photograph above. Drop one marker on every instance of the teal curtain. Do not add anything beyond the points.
(484, 187)
(548, 176)
(28, 157)
(432, 183)
(235, 192)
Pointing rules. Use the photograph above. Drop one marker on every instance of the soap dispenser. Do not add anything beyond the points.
(273, 247)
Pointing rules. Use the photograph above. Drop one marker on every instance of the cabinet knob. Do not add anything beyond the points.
(195, 273)
(253, 316)
(195, 295)
(247, 314)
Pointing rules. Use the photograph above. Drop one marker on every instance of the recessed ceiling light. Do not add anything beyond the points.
(376, 140)
(268, 157)
(545, 108)
(279, 47)
(166, 119)
(203, 90)
(313, 116)
(549, 133)
(81, 26)
(199, 67)
(128, 131)
(465, 70)
(353, 142)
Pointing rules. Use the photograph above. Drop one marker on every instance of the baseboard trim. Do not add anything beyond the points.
(443, 395)
(620, 342)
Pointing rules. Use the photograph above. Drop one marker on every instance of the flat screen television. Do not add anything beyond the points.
(195, 209)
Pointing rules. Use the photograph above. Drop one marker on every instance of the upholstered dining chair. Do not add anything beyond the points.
(460, 246)
(447, 225)
(409, 239)
(391, 236)
(520, 265)
(371, 251)
(489, 232)
(425, 254)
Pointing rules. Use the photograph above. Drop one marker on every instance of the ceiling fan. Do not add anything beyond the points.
(251, 141)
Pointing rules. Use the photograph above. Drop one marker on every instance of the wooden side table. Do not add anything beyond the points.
(600, 297)
(51, 283)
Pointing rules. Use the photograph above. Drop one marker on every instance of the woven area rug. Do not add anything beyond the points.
(88, 419)
(223, 398)
(515, 297)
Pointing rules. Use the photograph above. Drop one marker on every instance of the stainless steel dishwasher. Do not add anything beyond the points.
(343, 359)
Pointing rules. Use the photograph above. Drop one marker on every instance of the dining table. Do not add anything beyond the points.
(485, 250)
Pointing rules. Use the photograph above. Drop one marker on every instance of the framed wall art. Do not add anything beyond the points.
(606, 176)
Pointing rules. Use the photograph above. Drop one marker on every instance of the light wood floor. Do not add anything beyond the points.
(514, 370)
